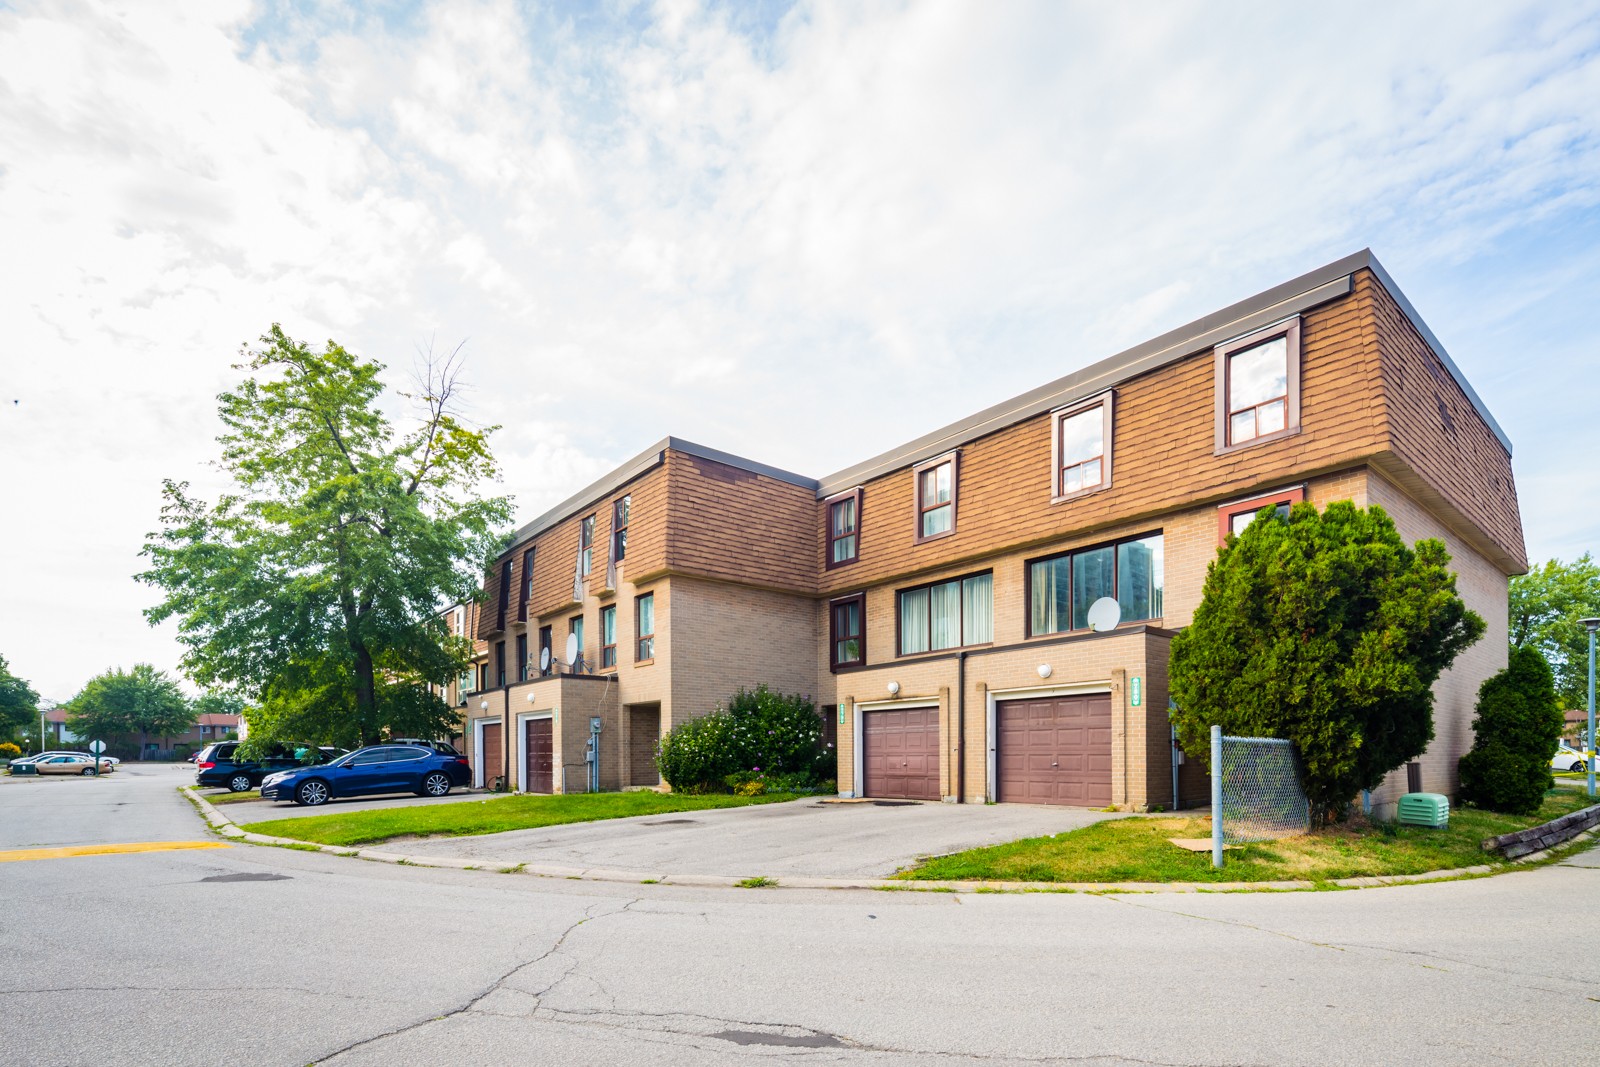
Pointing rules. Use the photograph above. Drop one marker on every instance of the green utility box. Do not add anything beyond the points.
(1425, 809)
(24, 768)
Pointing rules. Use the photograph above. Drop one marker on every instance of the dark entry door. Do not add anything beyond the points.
(494, 765)
(539, 746)
(1056, 750)
(901, 753)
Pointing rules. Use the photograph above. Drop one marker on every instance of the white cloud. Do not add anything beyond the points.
(661, 219)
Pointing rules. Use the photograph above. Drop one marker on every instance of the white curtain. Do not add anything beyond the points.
(914, 621)
(977, 609)
(946, 610)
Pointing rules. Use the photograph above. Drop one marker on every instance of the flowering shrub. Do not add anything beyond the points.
(9, 751)
(696, 756)
(761, 736)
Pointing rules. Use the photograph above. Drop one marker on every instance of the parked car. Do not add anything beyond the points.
(1569, 759)
(61, 752)
(220, 763)
(72, 763)
(375, 769)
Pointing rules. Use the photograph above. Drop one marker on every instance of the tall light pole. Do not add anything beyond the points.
(1591, 625)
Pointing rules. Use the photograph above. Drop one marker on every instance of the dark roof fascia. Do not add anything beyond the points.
(645, 461)
(1300, 294)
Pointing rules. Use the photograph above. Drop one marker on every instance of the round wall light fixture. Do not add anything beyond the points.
(484, 705)
(894, 689)
(1044, 670)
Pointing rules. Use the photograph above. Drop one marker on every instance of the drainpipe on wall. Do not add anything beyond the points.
(1119, 683)
(506, 746)
(961, 727)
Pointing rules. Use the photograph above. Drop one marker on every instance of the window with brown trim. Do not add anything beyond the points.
(608, 636)
(546, 649)
(644, 627)
(619, 529)
(844, 528)
(1258, 386)
(523, 673)
(1061, 588)
(500, 663)
(946, 614)
(527, 585)
(1233, 518)
(1081, 445)
(936, 496)
(575, 629)
(847, 631)
(505, 595)
(586, 546)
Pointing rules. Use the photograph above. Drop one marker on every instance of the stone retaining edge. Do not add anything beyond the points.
(226, 826)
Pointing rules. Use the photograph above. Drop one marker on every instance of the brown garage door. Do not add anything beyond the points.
(1054, 751)
(538, 776)
(901, 753)
(493, 757)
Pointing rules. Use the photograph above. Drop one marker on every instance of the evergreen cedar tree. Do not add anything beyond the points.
(1518, 726)
(1324, 629)
(314, 587)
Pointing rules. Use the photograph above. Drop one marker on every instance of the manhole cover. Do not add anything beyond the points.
(247, 878)
(752, 1037)
(673, 822)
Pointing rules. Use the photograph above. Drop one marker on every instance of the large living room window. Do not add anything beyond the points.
(947, 614)
(1061, 588)
(936, 496)
(1082, 436)
(847, 631)
(1258, 386)
(844, 523)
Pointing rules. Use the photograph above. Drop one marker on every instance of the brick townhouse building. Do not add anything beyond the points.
(935, 599)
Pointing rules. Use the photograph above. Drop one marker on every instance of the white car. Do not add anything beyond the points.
(1569, 759)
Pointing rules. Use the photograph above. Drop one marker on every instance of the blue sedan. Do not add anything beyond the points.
(375, 769)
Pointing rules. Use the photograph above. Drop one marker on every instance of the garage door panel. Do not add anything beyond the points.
(901, 753)
(1055, 750)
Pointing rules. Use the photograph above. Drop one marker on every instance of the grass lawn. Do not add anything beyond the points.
(465, 818)
(232, 798)
(1137, 850)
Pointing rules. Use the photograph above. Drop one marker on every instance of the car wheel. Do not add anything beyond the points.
(1578, 768)
(311, 793)
(239, 783)
(87, 771)
(436, 785)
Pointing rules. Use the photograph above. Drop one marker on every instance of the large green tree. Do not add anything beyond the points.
(315, 586)
(119, 704)
(19, 703)
(1546, 604)
(1325, 629)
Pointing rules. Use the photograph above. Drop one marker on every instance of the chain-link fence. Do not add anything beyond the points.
(1256, 793)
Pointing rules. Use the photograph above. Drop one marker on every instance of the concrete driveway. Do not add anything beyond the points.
(808, 838)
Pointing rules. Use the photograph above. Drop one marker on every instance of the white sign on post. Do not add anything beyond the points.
(97, 747)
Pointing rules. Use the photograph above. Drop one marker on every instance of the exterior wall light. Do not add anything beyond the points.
(484, 705)
(894, 689)
(1044, 670)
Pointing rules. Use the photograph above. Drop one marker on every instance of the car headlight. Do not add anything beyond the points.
(274, 779)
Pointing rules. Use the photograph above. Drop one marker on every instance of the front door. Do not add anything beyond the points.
(538, 745)
(494, 765)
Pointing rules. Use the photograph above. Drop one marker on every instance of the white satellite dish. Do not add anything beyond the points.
(572, 649)
(1104, 614)
(544, 659)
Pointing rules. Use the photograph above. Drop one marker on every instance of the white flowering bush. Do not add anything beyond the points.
(759, 735)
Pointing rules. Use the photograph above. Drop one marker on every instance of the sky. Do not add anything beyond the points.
(745, 224)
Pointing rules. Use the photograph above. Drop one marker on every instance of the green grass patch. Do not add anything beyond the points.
(232, 798)
(1138, 850)
(760, 881)
(466, 818)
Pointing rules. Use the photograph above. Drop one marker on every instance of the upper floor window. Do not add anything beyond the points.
(500, 663)
(645, 628)
(619, 529)
(844, 521)
(546, 651)
(458, 620)
(608, 636)
(586, 546)
(1233, 518)
(1258, 386)
(527, 584)
(936, 497)
(947, 614)
(523, 673)
(1082, 436)
(1061, 588)
(847, 631)
(505, 595)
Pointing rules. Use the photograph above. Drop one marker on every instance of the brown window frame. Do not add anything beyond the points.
(504, 597)
(1289, 330)
(586, 546)
(575, 626)
(527, 585)
(547, 640)
(500, 663)
(1106, 402)
(522, 657)
(853, 495)
(1290, 496)
(644, 644)
(959, 580)
(620, 515)
(608, 652)
(1116, 578)
(953, 458)
(834, 663)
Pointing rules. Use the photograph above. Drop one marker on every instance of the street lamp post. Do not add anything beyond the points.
(1591, 625)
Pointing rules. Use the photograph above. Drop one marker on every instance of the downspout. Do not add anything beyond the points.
(961, 727)
(1177, 798)
(507, 747)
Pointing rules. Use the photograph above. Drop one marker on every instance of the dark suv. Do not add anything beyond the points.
(217, 764)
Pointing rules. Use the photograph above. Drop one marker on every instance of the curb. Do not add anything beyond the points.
(227, 828)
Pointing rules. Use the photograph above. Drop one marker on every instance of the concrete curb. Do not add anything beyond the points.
(225, 826)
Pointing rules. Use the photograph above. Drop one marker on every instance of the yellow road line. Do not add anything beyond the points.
(18, 854)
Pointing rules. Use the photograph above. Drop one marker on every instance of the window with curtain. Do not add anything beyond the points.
(1062, 588)
(586, 545)
(619, 529)
(608, 636)
(947, 614)
(645, 611)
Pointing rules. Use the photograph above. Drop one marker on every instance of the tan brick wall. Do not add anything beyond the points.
(728, 636)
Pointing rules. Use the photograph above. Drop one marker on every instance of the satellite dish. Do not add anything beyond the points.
(1104, 614)
(544, 659)
(572, 649)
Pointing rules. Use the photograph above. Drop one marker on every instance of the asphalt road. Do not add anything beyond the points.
(270, 956)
